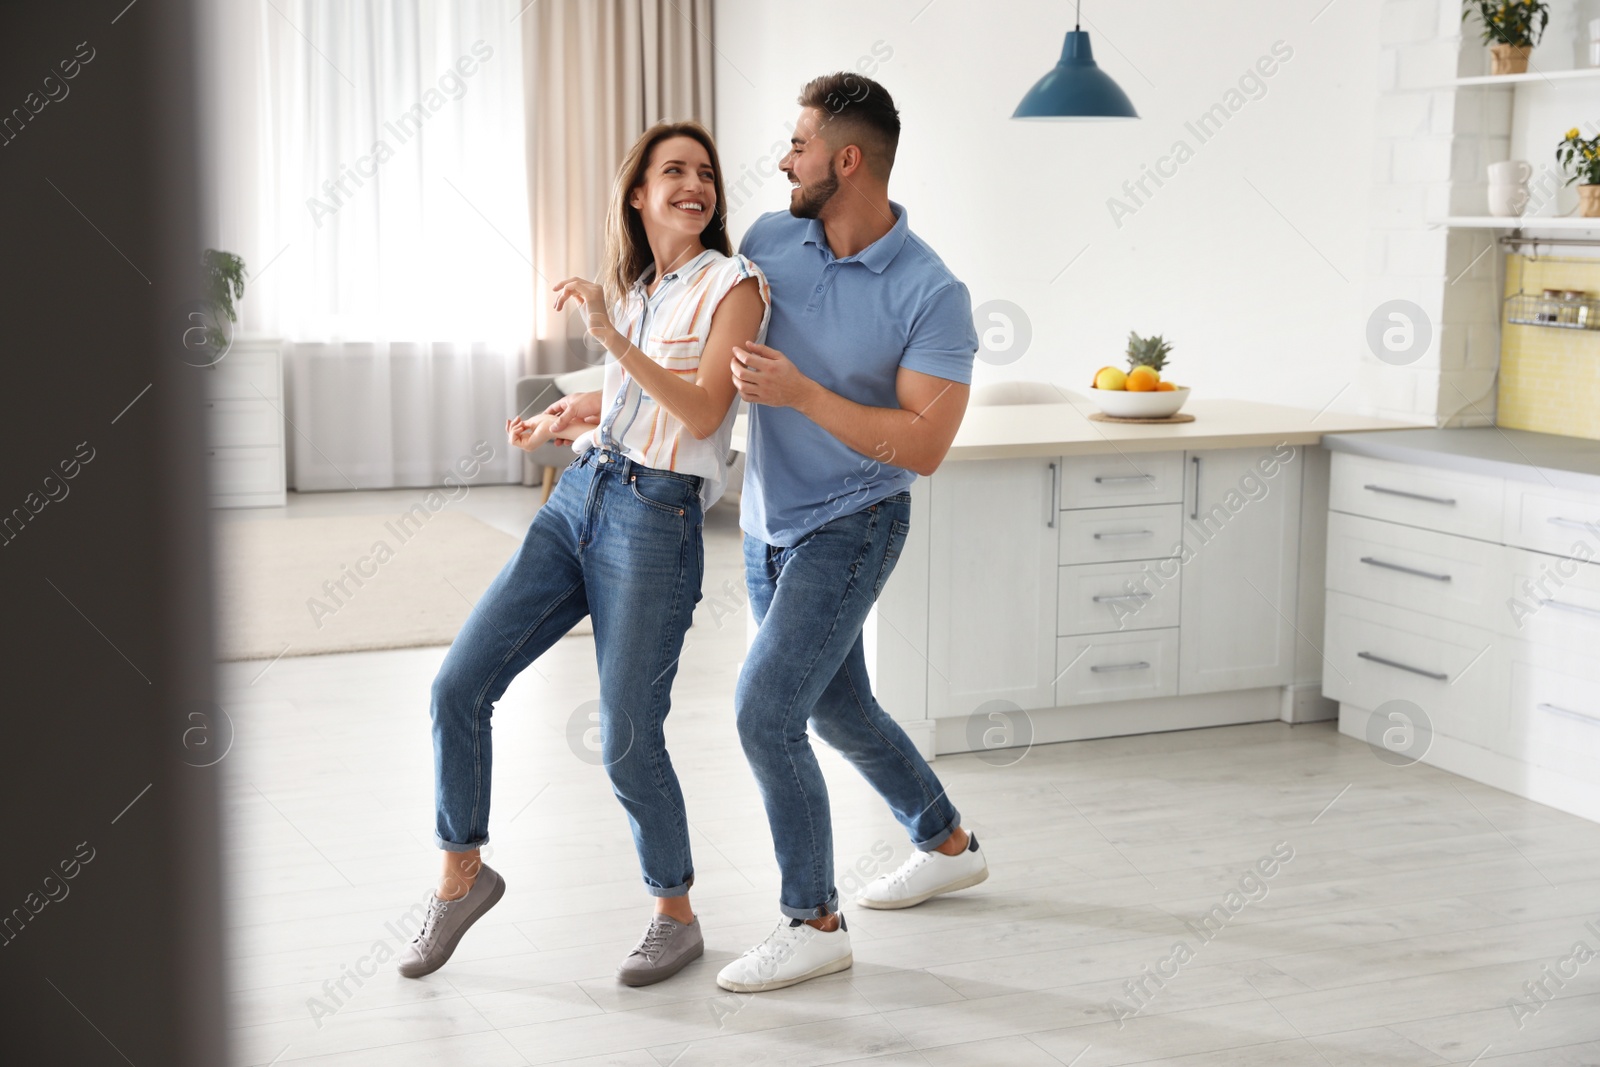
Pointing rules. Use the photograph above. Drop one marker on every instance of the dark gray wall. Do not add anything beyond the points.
(110, 920)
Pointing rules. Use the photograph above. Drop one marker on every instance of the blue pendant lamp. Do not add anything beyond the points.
(1075, 89)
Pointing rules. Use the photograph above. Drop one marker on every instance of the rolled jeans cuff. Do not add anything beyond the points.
(673, 891)
(821, 911)
(455, 846)
(942, 836)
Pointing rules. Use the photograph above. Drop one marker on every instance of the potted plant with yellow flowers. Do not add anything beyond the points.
(1580, 157)
(1510, 28)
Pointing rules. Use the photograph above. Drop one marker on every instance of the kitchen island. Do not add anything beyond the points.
(1067, 578)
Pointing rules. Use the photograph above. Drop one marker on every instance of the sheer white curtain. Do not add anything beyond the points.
(369, 165)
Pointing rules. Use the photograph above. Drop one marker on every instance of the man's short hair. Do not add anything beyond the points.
(856, 110)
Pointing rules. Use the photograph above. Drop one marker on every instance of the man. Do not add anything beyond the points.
(861, 388)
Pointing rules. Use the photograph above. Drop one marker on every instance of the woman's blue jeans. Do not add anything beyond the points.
(808, 663)
(620, 542)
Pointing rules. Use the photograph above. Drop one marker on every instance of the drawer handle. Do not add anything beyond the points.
(1574, 524)
(1104, 534)
(1194, 512)
(1576, 609)
(1055, 498)
(1103, 479)
(1412, 496)
(1140, 666)
(1122, 596)
(1405, 570)
(1556, 709)
(1435, 675)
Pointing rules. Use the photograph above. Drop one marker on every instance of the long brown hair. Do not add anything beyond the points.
(627, 251)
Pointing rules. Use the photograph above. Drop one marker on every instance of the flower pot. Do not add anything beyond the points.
(1589, 201)
(1509, 58)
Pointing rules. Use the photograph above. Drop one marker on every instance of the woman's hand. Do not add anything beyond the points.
(528, 434)
(593, 299)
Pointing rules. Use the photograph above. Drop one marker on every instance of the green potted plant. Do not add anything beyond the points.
(1579, 156)
(211, 334)
(1510, 28)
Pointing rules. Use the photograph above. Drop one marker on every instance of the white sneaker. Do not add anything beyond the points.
(927, 874)
(792, 953)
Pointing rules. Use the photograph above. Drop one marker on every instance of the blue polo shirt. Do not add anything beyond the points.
(849, 324)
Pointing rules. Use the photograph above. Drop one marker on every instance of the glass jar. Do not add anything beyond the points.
(1572, 307)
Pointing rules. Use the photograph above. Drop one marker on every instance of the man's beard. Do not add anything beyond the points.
(811, 203)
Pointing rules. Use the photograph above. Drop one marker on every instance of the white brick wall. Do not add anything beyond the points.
(1434, 142)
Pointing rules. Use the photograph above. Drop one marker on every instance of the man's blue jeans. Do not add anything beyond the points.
(621, 542)
(808, 663)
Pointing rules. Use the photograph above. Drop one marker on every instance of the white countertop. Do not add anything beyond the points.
(1022, 430)
(1551, 459)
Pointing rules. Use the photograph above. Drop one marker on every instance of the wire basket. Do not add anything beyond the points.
(1527, 309)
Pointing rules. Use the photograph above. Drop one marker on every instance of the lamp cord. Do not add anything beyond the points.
(1077, 17)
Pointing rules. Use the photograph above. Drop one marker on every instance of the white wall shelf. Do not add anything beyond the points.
(1520, 222)
(1552, 76)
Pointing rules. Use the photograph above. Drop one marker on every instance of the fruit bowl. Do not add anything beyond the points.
(1127, 404)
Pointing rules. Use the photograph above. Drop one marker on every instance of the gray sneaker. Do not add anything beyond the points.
(447, 921)
(667, 946)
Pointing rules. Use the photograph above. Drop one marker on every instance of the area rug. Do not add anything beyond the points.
(303, 587)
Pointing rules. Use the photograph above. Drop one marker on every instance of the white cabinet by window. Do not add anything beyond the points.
(1241, 536)
(992, 536)
(244, 425)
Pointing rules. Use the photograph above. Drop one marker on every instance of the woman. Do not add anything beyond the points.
(619, 539)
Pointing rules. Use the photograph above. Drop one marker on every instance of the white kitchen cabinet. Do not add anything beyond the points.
(1099, 668)
(1449, 501)
(1117, 479)
(1377, 653)
(1241, 534)
(1470, 595)
(993, 532)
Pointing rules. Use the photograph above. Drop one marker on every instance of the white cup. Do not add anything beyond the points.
(1507, 200)
(1511, 172)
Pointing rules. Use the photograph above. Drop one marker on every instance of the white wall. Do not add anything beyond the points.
(1251, 259)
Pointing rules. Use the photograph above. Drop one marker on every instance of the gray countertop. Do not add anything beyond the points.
(1564, 462)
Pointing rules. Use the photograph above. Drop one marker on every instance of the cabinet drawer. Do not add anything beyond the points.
(1124, 666)
(1116, 479)
(1438, 574)
(244, 374)
(1376, 653)
(1551, 600)
(1555, 714)
(1471, 505)
(236, 471)
(1104, 535)
(1548, 519)
(1108, 597)
(236, 423)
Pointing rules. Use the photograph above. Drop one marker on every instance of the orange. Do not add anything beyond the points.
(1109, 378)
(1165, 387)
(1143, 379)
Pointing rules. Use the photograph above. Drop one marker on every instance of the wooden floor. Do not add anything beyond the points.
(1414, 912)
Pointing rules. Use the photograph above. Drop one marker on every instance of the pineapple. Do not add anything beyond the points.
(1147, 352)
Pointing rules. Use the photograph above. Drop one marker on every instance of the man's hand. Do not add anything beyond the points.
(572, 415)
(764, 375)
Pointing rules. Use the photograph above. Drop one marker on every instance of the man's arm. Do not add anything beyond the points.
(916, 435)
